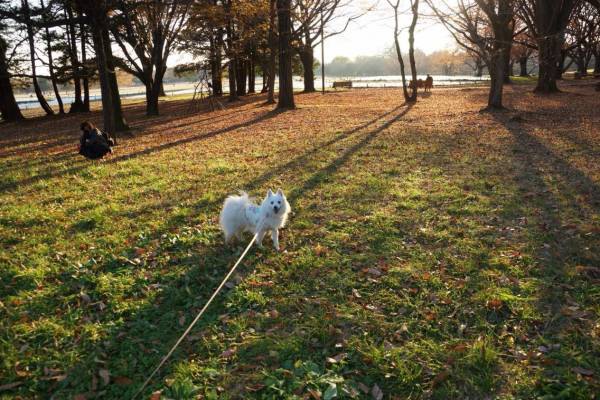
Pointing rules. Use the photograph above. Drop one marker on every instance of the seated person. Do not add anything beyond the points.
(94, 143)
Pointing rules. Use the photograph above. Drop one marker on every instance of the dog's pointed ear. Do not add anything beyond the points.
(279, 192)
(269, 193)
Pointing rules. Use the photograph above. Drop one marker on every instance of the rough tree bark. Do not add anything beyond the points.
(395, 6)
(307, 58)
(8, 104)
(251, 75)
(111, 101)
(286, 88)
(216, 71)
(272, 52)
(30, 38)
(86, 79)
(411, 48)
(523, 66)
(241, 77)
(232, 54)
(77, 105)
(550, 19)
(61, 109)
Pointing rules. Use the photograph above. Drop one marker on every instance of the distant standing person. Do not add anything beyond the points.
(94, 143)
(428, 83)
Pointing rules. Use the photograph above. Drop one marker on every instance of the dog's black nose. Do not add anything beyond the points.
(276, 209)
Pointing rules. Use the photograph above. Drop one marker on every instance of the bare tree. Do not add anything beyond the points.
(486, 28)
(146, 33)
(48, 36)
(26, 12)
(309, 19)
(547, 21)
(414, 7)
(97, 18)
(583, 35)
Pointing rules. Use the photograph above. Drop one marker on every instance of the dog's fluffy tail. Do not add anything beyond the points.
(232, 218)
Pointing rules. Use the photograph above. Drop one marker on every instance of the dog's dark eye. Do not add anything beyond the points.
(271, 202)
(279, 202)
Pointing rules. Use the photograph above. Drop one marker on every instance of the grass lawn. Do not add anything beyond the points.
(433, 251)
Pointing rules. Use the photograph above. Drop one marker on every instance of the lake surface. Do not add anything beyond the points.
(138, 92)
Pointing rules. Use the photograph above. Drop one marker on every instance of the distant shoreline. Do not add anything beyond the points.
(29, 101)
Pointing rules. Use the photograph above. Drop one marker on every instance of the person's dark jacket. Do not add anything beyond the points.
(95, 144)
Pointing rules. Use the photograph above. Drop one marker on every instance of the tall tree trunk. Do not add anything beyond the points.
(507, 63)
(497, 80)
(215, 62)
(61, 108)
(77, 105)
(596, 63)
(241, 77)
(399, 55)
(551, 18)
(233, 67)
(549, 62)
(233, 96)
(119, 120)
(411, 48)
(286, 83)
(523, 66)
(251, 75)
(308, 61)
(151, 100)
(9, 109)
(272, 52)
(84, 69)
(30, 37)
(581, 65)
(503, 33)
(111, 102)
(265, 80)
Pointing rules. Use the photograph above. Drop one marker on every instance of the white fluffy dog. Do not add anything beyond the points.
(241, 215)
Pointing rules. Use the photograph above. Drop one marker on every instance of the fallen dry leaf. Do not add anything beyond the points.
(441, 377)
(228, 353)
(122, 380)
(494, 304)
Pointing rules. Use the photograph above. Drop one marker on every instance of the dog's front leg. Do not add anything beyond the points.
(275, 237)
(259, 237)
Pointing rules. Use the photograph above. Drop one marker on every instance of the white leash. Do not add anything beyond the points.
(165, 358)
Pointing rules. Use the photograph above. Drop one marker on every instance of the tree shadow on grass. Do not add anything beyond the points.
(181, 291)
(10, 185)
(559, 200)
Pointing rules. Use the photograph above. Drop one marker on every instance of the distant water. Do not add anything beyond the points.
(138, 92)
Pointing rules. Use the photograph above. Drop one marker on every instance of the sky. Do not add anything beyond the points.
(373, 33)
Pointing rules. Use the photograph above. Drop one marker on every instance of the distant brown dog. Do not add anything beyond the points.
(420, 84)
(428, 83)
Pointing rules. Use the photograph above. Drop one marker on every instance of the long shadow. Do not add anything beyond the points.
(330, 169)
(150, 150)
(573, 178)
(179, 292)
(558, 249)
(135, 113)
(589, 147)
